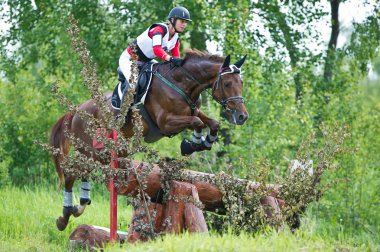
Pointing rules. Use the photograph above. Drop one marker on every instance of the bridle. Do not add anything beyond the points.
(223, 100)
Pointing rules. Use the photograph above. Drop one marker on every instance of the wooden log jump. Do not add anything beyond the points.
(172, 216)
(183, 214)
(209, 193)
(180, 211)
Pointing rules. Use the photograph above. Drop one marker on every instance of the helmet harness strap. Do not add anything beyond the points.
(173, 23)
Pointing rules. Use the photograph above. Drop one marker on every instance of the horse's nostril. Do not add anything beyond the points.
(242, 118)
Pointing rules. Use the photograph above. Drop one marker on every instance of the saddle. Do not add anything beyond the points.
(142, 87)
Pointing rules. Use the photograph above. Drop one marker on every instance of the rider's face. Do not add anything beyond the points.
(180, 25)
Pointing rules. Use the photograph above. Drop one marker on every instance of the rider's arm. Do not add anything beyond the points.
(175, 51)
(157, 33)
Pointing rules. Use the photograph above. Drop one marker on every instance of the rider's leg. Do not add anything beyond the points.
(123, 75)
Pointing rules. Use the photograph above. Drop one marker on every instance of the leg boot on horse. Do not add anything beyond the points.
(199, 142)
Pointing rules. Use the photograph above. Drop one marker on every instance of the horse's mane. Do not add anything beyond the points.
(202, 55)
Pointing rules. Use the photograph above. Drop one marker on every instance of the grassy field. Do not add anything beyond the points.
(27, 223)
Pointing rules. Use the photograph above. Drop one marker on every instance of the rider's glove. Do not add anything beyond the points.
(176, 61)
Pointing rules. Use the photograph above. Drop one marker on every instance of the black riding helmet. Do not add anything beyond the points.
(178, 12)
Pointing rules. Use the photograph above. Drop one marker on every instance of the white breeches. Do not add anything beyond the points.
(125, 64)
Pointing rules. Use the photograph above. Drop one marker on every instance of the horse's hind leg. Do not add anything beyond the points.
(84, 198)
(68, 208)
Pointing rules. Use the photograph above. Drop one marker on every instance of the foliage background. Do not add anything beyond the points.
(290, 87)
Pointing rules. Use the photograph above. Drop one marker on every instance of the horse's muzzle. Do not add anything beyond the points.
(239, 118)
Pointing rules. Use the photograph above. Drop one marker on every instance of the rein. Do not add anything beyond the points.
(191, 104)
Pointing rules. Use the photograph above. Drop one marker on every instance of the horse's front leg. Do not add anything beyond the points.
(212, 135)
(199, 143)
(175, 124)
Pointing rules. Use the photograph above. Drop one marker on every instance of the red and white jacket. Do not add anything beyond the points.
(154, 42)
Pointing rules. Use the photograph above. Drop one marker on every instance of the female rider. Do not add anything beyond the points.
(155, 42)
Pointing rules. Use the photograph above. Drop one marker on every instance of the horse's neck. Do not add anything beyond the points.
(201, 77)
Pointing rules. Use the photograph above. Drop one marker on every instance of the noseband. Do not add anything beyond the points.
(223, 101)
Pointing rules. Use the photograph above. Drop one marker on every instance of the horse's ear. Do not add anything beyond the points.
(240, 62)
(226, 61)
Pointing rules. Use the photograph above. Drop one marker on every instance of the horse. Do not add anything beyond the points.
(173, 105)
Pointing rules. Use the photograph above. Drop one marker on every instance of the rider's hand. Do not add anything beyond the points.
(176, 61)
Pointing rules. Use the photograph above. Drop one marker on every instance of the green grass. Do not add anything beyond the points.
(27, 218)
(27, 223)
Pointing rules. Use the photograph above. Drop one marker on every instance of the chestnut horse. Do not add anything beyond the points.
(171, 109)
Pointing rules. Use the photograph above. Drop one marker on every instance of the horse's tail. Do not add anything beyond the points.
(59, 141)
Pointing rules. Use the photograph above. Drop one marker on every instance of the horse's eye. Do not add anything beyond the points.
(227, 84)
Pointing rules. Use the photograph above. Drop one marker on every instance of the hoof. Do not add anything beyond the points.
(78, 210)
(203, 146)
(187, 147)
(67, 211)
(84, 201)
(61, 223)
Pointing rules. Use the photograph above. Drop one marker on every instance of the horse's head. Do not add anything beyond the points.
(227, 91)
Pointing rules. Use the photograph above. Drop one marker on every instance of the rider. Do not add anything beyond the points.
(156, 41)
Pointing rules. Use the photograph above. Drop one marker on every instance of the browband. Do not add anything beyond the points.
(229, 69)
